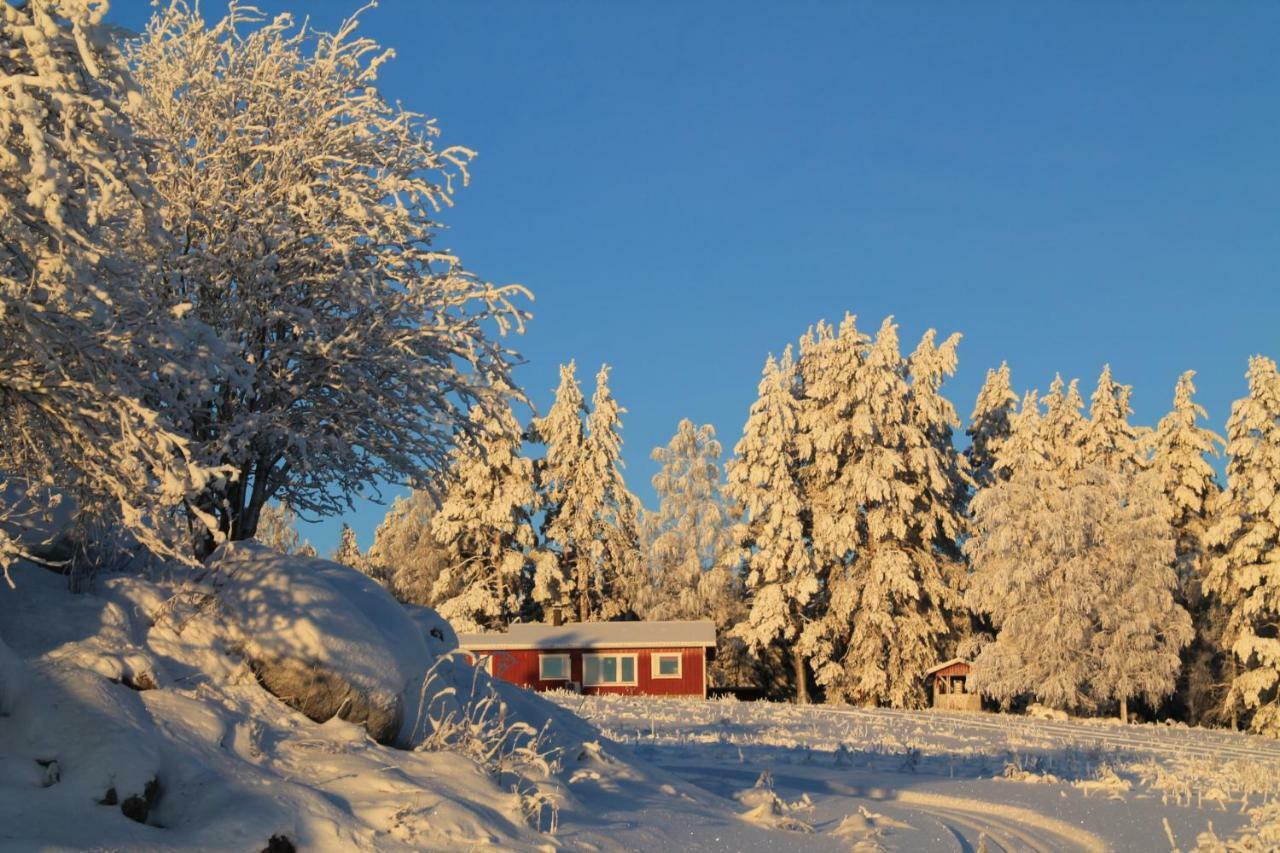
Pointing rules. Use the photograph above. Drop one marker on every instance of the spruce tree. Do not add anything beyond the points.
(990, 424)
(884, 622)
(484, 524)
(561, 431)
(1245, 570)
(1108, 439)
(1180, 463)
(764, 483)
(348, 551)
(404, 550)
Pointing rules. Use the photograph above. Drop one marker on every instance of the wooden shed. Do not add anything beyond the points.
(634, 658)
(950, 682)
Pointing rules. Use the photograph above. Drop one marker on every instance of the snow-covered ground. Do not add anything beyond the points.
(836, 777)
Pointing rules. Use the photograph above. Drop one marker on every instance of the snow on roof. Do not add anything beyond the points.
(596, 635)
(946, 664)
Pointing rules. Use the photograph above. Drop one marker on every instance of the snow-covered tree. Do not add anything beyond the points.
(764, 482)
(301, 205)
(561, 430)
(1108, 439)
(689, 548)
(78, 336)
(404, 550)
(1072, 562)
(591, 529)
(484, 524)
(276, 528)
(885, 616)
(990, 423)
(1244, 573)
(348, 552)
(1180, 452)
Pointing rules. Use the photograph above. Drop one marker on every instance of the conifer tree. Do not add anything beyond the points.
(1063, 427)
(991, 423)
(1180, 463)
(764, 482)
(1245, 571)
(561, 431)
(348, 551)
(484, 524)
(276, 528)
(1108, 439)
(884, 621)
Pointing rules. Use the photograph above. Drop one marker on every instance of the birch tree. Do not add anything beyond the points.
(404, 550)
(1245, 569)
(79, 338)
(302, 206)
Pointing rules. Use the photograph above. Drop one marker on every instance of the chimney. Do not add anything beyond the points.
(557, 617)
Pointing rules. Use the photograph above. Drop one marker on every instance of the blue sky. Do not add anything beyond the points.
(687, 187)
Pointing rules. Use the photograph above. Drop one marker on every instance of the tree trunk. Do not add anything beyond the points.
(802, 677)
(1124, 709)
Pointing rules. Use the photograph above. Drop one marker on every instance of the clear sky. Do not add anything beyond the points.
(686, 187)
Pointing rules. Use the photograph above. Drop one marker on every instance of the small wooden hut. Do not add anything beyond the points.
(950, 682)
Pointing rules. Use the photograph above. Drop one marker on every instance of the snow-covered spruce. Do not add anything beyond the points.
(763, 481)
(485, 528)
(1245, 570)
(990, 423)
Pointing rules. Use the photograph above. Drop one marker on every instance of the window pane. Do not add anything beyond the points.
(628, 669)
(591, 670)
(552, 666)
(609, 670)
(668, 665)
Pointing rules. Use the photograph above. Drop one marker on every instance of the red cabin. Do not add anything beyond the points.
(634, 658)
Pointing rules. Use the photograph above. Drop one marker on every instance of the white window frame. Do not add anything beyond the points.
(635, 669)
(657, 656)
(568, 667)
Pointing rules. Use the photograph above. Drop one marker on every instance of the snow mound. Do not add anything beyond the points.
(325, 638)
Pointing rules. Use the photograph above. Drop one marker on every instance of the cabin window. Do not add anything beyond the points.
(600, 670)
(666, 665)
(553, 667)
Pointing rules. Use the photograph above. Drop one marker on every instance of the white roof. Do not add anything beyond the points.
(946, 664)
(596, 635)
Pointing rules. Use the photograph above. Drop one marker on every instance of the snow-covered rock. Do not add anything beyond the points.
(324, 638)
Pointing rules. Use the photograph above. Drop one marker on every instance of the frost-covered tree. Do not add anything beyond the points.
(1244, 573)
(561, 430)
(688, 540)
(404, 550)
(348, 551)
(1180, 452)
(1108, 439)
(764, 482)
(79, 338)
(990, 423)
(1072, 563)
(885, 617)
(484, 524)
(301, 205)
(689, 548)
(276, 528)
(591, 519)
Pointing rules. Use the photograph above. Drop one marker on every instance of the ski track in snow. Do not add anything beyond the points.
(932, 780)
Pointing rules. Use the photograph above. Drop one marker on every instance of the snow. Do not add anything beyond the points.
(586, 635)
(931, 780)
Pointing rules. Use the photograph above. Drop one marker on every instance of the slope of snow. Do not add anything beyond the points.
(136, 699)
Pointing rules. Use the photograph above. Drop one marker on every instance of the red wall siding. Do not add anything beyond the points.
(520, 666)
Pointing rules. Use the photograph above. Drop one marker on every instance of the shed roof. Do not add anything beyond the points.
(596, 635)
(946, 664)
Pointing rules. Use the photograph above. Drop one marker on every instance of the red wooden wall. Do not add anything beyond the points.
(520, 666)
